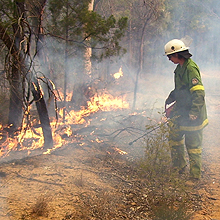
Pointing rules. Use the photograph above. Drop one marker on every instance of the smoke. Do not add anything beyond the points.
(200, 20)
(156, 79)
(196, 22)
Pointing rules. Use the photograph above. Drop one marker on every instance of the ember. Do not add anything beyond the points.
(120, 151)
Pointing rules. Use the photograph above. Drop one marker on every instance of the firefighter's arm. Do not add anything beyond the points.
(197, 92)
(198, 100)
(171, 98)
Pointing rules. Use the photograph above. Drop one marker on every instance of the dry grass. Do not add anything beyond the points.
(39, 209)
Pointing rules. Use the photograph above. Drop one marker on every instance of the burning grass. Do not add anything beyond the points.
(30, 137)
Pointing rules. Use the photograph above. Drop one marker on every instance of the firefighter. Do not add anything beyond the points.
(188, 116)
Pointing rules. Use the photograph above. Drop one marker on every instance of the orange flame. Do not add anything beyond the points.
(120, 151)
(104, 102)
(118, 74)
(31, 138)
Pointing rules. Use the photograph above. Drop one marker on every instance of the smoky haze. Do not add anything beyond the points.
(198, 20)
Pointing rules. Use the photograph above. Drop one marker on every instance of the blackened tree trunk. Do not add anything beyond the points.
(18, 51)
(43, 113)
(14, 76)
(36, 11)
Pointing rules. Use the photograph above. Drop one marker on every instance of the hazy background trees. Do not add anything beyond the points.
(73, 43)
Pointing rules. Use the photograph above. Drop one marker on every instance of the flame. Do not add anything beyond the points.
(104, 102)
(31, 138)
(60, 94)
(120, 151)
(118, 74)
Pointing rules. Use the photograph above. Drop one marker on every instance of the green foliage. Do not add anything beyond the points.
(156, 162)
(84, 25)
(168, 196)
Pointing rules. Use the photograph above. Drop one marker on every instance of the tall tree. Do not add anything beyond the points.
(88, 49)
(16, 33)
(15, 60)
(148, 12)
(87, 31)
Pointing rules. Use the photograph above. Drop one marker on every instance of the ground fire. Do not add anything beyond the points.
(31, 138)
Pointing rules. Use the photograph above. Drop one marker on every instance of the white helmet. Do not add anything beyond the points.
(175, 46)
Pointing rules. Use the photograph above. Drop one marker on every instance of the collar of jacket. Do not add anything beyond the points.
(181, 69)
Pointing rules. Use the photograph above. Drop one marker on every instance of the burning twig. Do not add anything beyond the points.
(120, 151)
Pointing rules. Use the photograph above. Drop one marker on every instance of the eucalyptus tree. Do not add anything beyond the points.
(147, 15)
(86, 28)
(12, 34)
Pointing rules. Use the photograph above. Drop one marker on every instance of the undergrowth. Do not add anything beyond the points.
(169, 198)
(144, 189)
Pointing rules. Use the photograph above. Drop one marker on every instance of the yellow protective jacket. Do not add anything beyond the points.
(189, 95)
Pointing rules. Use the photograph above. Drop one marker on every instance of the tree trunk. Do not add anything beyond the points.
(15, 77)
(88, 49)
(36, 10)
(66, 62)
(16, 97)
(43, 114)
(140, 63)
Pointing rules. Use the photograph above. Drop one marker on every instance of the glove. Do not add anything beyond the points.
(171, 98)
(168, 101)
(169, 110)
(192, 117)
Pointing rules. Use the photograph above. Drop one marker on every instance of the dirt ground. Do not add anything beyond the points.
(211, 166)
(88, 179)
(94, 182)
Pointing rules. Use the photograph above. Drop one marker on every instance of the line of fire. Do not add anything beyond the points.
(78, 117)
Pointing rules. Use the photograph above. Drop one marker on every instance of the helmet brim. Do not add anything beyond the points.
(177, 51)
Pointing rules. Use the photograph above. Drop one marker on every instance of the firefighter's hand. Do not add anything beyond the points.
(192, 117)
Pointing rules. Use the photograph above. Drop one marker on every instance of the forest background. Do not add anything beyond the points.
(72, 44)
